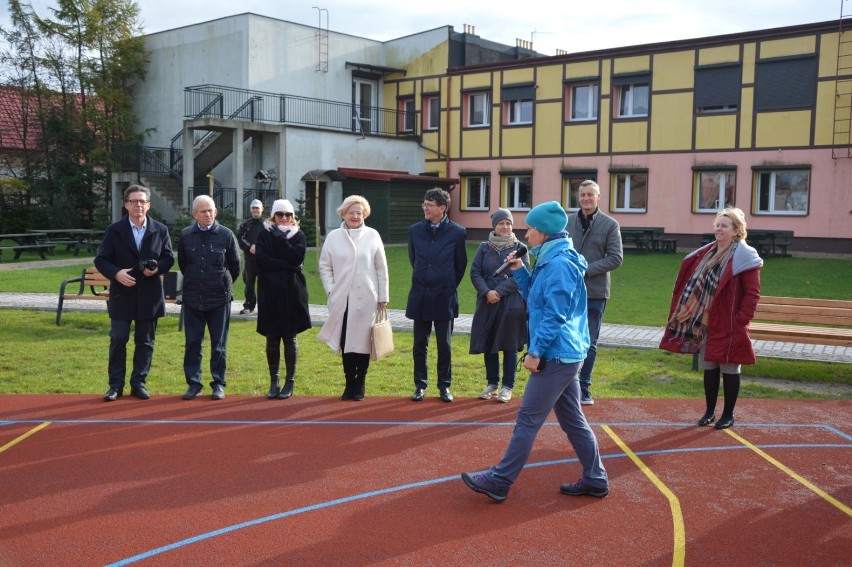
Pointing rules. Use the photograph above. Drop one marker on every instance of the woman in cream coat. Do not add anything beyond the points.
(354, 273)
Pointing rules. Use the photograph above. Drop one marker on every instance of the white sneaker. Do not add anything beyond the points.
(489, 392)
(505, 395)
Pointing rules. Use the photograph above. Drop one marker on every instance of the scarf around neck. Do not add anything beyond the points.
(689, 320)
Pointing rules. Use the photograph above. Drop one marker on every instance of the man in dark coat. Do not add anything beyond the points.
(135, 252)
(209, 259)
(436, 250)
(246, 238)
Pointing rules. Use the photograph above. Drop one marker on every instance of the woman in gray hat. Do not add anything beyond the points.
(499, 322)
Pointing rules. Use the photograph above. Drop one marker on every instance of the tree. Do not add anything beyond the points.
(77, 65)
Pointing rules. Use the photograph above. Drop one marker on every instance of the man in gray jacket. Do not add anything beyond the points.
(598, 238)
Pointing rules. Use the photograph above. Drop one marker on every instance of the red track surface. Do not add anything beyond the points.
(317, 481)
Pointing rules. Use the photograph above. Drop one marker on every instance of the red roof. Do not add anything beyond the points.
(390, 175)
(19, 124)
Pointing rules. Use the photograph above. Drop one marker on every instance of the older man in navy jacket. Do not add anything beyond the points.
(436, 249)
(134, 253)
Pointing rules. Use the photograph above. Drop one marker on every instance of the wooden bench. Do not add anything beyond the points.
(636, 240)
(89, 246)
(668, 245)
(98, 290)
(793, 319)
(41, 249)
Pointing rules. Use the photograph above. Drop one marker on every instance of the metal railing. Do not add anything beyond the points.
(224, 197)
(144, 159)
(217, 101)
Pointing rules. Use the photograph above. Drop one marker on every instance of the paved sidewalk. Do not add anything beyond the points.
(611, 335)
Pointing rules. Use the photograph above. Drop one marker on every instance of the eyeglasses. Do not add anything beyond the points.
(136, 202)
(430, 205)
(280, 214)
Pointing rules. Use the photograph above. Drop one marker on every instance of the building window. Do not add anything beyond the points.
(518, 104)
(583, 102)
(432, 111)
(631, 94)
(477, 108)
(406, 115)
(781, 192)
(630, 192)
(718, 88)
(713, 190)
(517, 192)
(571, 187)
(785, 83)
(476, 192)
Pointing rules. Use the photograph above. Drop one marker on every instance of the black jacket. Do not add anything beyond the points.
(210, 262)
(282, 292)
(247, 235)
(118, 251)
(438, 260)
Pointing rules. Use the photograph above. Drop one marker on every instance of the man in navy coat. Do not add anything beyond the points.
(135, 252)
(436, 249)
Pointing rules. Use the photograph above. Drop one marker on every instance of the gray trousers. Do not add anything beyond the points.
(556, 387)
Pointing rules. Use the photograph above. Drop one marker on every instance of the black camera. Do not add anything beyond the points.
(150, 264)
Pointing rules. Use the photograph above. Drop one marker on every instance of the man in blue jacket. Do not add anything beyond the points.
(559, 338)
(134, 253)
(209, 259)
(436, 250)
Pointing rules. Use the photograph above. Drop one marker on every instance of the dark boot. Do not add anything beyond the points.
(273, 360)
(362, 363)
(291, 354)
(711, 393)
(732, 392)
(350, 373)
(287, 390)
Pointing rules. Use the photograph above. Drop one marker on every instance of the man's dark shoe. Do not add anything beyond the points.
(218, 392)
(191, 393)
(140, 392)
(580, 488)
(113, 394)
(246, 311)
(483, 484)
(418, 395)
(446, 395)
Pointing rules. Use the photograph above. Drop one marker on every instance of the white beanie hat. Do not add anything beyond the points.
(256, 203)
(282, 206)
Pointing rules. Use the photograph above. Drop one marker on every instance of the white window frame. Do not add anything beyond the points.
(627, 95)
(484, 192)
(511, 197)
(407, 115)
(519, 111)
(591, 97)
(727, 190)
(621, 198)
(432, 109)
(478, 103)
(781, 193)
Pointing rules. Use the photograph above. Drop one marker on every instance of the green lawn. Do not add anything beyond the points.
(37, 356)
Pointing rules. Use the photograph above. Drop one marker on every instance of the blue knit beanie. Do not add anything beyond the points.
(548, 218)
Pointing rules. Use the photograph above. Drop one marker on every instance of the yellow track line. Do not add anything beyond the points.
(679, 552)
(20, 438)
(833, 501)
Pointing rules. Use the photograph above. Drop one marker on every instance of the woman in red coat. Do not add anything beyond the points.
(714, 299)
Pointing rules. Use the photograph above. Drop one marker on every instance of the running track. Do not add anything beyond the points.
(317, 481)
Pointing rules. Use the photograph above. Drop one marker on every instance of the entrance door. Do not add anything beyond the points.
(364, 103)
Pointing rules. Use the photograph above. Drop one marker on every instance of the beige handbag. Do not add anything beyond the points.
(381, 337)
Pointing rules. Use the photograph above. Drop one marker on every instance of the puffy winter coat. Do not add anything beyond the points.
(732, 308)
(210, 262)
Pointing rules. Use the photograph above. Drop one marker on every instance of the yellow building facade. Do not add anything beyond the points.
(672, 132)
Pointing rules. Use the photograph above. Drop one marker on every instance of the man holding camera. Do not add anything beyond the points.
(134, 253)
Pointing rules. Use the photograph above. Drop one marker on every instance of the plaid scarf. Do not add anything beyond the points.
(689, 321)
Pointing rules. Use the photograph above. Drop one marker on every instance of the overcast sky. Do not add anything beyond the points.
(553, 24)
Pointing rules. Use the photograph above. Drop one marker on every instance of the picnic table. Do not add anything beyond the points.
(644, 238)
(26, 242)
(73, 238)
